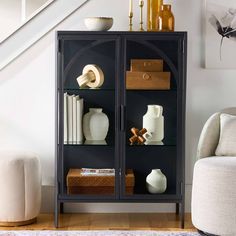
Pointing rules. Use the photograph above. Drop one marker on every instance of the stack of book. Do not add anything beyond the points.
(73, 115)
(97, 172)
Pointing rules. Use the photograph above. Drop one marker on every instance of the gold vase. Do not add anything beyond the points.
(153, 9)
(165, 19)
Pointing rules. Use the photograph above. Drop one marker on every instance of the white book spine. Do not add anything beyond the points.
(80, 107)
(65, 118)
(74, 122)
(70, 119)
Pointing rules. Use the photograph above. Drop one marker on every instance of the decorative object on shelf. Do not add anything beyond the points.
(148, 137)
(73, 113)
(153, 9)
(165, 19)
(141, 4)
(220, 28)
(137, 136)
(77, 183)
(147, 74)
(147, 65)
(79, 118)
(153, 121)
(92, 76)
(131, 15)
(156, 182)
(97, 172)
(95, 126)
(98, 23)
(65, 118)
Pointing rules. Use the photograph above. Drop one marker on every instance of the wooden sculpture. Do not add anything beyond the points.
(137, 136)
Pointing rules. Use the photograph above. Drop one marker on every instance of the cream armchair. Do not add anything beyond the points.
(214, 178)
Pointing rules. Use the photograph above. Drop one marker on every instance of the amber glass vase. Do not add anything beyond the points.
(165, 19)
(153, 9)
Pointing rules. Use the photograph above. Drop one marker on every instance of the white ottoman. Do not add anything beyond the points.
(214, 195)
(20, 186)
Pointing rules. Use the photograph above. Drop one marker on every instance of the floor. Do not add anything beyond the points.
(101, 221)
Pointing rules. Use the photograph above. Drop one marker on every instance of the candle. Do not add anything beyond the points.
(130, 6)
(141, 3)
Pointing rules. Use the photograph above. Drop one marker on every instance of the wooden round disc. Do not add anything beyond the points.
(18, 223)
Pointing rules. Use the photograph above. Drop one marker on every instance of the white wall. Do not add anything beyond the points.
(10, 17)
(27, 93)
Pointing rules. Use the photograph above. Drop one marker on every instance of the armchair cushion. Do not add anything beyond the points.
(209, 137)
(227, 141)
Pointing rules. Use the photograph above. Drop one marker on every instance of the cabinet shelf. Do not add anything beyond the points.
(151, 90)
(88, 145)
(151, 145)
(89, 90)
(147, 198)
(154, 197)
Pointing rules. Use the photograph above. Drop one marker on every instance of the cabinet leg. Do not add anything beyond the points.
(177, 209)
(56, 215)
(61, 207)
(182, 215)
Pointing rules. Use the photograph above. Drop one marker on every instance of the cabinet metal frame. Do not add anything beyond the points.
(121, 39)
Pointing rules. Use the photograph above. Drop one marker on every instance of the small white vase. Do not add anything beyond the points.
(95, 125)
(153, 121)
(156, 182)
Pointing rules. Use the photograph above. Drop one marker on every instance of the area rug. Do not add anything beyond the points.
(96, 233)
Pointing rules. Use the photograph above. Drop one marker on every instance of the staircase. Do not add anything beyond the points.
(36, 28)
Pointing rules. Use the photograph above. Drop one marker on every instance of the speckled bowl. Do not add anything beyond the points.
(98, 23)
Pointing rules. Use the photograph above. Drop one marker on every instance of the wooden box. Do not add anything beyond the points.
(81, 184)
(147, 80)
(147, 65)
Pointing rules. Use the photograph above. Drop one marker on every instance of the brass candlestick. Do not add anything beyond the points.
(141, 4)
(131, 21)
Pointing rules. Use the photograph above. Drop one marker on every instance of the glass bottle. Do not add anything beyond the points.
(153, 9)
(165, 19)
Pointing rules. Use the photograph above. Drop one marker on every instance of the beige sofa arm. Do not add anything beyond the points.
(209, 137)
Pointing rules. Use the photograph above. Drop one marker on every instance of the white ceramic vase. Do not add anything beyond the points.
(156, 182)
(153, 121)
(95, 125)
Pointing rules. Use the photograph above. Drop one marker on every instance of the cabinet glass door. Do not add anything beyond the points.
(89, 159)
(151, 85)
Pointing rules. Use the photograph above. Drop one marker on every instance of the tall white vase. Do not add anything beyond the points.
(153, 121)
(95, 126)
(156, 182)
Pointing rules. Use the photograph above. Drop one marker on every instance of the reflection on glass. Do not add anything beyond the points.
(153, 143)
(97, 142)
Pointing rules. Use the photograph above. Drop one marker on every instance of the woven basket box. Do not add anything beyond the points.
(90, 184)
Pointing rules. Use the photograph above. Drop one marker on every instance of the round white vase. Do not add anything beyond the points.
(95, 125)
(156, 182)
(153, 121)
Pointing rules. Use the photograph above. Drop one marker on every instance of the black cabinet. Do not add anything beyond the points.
(113, 51)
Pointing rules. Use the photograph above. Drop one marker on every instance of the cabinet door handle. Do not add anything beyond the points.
(122, 117)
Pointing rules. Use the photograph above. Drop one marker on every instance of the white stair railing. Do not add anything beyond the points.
(36, 28)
